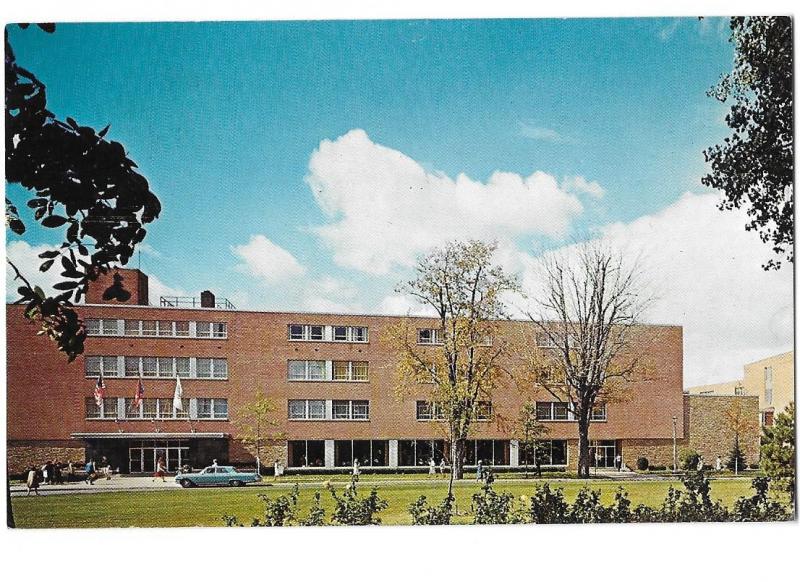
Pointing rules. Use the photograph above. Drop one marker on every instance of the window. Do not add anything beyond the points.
(340, 333)
(101, 327)
(296, 332)
(300, 332)
(150, 408)
(351, 371)
(306, 409)
(218, 330)
(92, 409)
(316, 332)
(549, 452)
(133, 327)
(212, 408)
(297, 409)
(306, 369)
(131, 366)
(483, 410)
(544, 340)
(203, 329)
(182, 329)
(93, 365)
(429, 336)
(166, 367)
(429, 410)
(316, 409)
(110, 327)
(212, 368)
(107, 408)
(182, 367)
(306, 453)
(149, 328)
(150, 367)
(204, 367)
(165, 329)
(599, 412)
(360, 409)
(553, 411)
(738, 391)
(93, 326)
(341, 410)
(359, 334)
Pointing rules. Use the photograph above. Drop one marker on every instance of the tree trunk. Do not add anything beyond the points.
(583, 446)
(457, 453)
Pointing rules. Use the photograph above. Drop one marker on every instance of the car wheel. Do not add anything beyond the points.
(186, 483)
(237, 483)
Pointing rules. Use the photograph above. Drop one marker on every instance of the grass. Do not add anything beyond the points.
(205, 507)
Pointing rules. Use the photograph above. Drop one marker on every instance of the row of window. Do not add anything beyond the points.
(329, 333)
(156, 409)
(434, 337)
(336, 410)
(156, 367)
(433, 410)
(560, 411)
(156, 328)
(326, 370)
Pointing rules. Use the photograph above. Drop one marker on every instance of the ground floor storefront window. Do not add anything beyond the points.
(602, 454)
(306, 453)
(551, 452)
(141, 455)
(418, 452)
(489, 452)
(369, 453)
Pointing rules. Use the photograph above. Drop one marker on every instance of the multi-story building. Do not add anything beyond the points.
(331, 377)
(770, 379)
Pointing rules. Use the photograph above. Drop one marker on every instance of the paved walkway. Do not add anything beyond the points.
(134, 483)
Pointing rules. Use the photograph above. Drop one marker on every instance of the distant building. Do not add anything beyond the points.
(771, 379)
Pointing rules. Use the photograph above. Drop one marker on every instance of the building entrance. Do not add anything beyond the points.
(143, 455)
(602, 454)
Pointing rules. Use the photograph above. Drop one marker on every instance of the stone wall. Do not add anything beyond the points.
(711, 426)
(21, 456)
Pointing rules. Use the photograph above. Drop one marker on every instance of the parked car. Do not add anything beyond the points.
(219, 475)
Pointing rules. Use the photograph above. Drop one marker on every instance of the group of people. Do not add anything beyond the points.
(95, 471)
(50, 473)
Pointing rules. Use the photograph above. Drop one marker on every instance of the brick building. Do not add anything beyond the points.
(331, 377)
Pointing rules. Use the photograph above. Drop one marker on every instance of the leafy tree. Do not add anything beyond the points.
(591, 306)
(738, 422)
(465, 290)
(754, 167)
(256, 425)
(778, 451)
(530, 432)
(736, 459)
(81, 183)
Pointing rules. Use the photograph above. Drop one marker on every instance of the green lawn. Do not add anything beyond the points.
(204, 507)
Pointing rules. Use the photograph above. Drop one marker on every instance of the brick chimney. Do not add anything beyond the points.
(132, 280)
(207, 299)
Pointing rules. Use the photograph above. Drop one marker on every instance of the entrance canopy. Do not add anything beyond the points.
(149, 435)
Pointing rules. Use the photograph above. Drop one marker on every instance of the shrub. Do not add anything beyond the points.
(693, 504)
(759, 507)
(689, 459)
(548, 505)
(642, 463)
(620, 511)
(280, 511)
(492, 507)
(587, 508)
(423, 513)
(354, 510)
(316, 515)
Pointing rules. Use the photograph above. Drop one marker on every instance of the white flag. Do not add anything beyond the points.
(177, 400)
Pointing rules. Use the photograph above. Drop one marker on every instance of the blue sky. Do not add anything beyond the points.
(281, 151)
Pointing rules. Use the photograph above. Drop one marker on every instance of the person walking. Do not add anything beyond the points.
(91, 472)
(618, 462)
(356, 468)
(33, 481)
(479, 471)
(718, 464)
(431, 467)
(160, 470)
(442, 466)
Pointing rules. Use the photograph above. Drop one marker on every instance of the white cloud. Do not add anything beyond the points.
(158, 289)
(403, 305)
(705, 272)
(580, 185)
(26, 258)
(384, 208)
(267, 261)
(539, 133)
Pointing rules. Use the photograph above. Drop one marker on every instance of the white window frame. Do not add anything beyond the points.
(552, 417)
(213, 407)
(435, 336)
(350, 376)
(102, 408)
(218, 367)
(306, 367)
(107, 373)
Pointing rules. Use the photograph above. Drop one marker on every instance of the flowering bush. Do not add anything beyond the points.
(354, 510)
(422, 513)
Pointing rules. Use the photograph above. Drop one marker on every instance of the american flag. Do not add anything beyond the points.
(99, 390)
(137, 400)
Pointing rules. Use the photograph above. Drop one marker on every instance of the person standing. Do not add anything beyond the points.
(479, 471)
(699, 464)
(91, 473)
(618, 462)
(356, 469)
(33, 481)
(70, 472)
(442, 466)
(718, 464)
(431, 467)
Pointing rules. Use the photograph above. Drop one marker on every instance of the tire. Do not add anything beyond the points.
(237, 484)
(186, 483)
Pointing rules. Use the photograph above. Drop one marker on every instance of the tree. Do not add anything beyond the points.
(464, 363)
(530, 432)
(738, 422)
(778, 451)
(80, 183)
(590, 307)
(256, 425)
(754, 167)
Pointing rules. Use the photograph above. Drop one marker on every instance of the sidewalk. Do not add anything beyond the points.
(116, 483)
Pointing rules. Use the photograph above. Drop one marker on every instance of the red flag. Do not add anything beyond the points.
(99, 390)
(137, 400)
